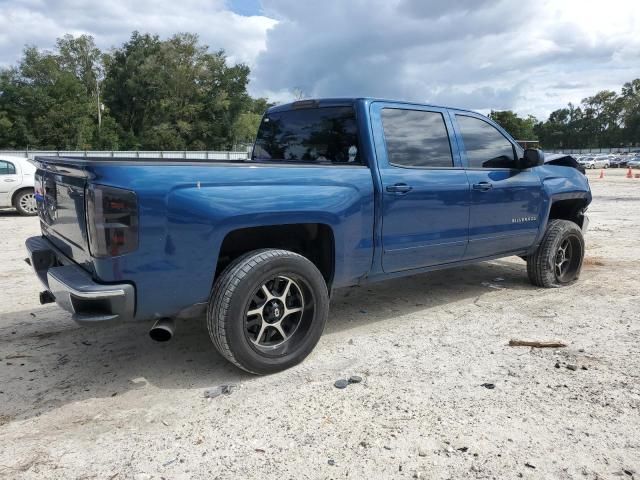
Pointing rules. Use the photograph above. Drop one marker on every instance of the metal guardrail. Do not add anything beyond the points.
(195, 155)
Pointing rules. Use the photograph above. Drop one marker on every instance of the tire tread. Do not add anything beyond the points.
(224, 289)
(539, 271)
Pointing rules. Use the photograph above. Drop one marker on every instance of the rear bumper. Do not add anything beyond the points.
(89, 302)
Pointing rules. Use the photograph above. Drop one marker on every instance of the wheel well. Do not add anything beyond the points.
(568, 210)
(18, 192)
(314, 241)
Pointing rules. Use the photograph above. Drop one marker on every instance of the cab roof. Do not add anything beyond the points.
(348, 101)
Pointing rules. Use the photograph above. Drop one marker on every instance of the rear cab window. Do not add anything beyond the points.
(319, 135)
(416, 138)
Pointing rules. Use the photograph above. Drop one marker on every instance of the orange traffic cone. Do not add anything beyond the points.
(629, 174)
(601, 173)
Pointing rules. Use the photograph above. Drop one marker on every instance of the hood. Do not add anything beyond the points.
(563, 160)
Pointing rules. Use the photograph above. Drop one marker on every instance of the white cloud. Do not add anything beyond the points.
(475, 54)
(529, 55)
(40, 22)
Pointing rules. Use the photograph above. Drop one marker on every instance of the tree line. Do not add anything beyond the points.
(607, 119)
(148, 94)
(176, 94)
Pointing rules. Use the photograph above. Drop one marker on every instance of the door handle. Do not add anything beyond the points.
(400, 188)
(483, 186)
(9, 180)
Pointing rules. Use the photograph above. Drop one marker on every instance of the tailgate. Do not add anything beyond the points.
(60, 196)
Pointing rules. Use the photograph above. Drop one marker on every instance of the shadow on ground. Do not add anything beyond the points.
(48, 361)
(6, 212)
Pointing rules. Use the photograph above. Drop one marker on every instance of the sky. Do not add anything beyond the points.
(529, 56)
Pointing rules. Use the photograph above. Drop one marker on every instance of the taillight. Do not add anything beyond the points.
(38, 188)
(112, 221)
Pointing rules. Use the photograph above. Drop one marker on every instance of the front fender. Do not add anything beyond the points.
(559, 183)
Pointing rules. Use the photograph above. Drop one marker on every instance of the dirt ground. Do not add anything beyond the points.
(109, 403)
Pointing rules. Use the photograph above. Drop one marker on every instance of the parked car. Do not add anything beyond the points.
(619, 161)
(16, 184)
(594, 162)
(337, 193)
(634, 162)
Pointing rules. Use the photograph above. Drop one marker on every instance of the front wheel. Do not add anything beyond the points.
(25, 203)
(267, 310)
(558, 259)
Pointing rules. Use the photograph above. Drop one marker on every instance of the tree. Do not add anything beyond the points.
(178, 94)
(519, 128)
(149, 93)
(245, 128)
(602, 118)
(175, 94)
(605, 119)
(49, 99)
(630, 100)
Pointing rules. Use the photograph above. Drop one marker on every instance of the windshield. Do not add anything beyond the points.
(310, 135)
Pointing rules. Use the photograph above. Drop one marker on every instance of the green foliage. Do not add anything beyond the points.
(606, 119)
(49, 99)
(153, 94)
(176, 94)
(245, 127)
(519, 128)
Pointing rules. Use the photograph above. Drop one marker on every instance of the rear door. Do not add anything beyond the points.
(505, 201)
(425, 192)
(10, 178)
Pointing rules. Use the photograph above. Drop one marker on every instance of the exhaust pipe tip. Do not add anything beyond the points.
(46, 297)
(162, 330)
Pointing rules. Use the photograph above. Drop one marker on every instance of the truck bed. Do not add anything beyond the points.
(187, 208)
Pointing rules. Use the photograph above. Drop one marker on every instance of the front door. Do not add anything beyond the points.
(425, 192)
(505, 201)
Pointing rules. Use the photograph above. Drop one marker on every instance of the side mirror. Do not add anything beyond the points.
(532, 157)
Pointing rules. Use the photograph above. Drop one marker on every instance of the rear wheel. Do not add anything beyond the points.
(25, 203)
(558, 259)
(267, 310)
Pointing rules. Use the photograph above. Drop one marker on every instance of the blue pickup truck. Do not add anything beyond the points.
(337, 192)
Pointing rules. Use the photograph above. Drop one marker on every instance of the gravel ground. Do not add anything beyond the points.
(110, 403)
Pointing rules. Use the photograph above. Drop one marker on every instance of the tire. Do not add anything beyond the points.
(25, 203)
(250, 326)
(543, 267)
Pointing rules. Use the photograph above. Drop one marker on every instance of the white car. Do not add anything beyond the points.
(595, 162)
(16, 184)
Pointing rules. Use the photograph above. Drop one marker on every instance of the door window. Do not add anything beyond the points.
(7, 168)
(486, 147)
(416, 138)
